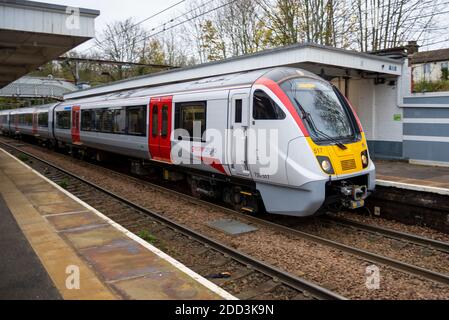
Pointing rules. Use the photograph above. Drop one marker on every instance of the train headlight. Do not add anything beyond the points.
(365, 159)
(325, 164)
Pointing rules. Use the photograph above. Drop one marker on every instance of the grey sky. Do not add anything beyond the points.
(114, 10)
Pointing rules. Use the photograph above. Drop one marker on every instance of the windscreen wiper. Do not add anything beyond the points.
(311, 122)
(337, 143)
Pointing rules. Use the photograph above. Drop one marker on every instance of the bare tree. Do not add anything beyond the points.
(241, 26)
(387, 24)
(122, 41)
(217, 29)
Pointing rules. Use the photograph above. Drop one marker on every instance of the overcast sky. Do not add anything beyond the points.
(115, 10)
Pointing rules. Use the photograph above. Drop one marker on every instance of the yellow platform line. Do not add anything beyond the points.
(53, 252)
(72, 204)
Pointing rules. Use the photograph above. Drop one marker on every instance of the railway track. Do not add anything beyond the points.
(367, 255)
(389, 233)
(370, 256)
(206, 256)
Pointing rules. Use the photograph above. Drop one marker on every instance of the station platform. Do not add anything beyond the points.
(404, 175)
(54, 246)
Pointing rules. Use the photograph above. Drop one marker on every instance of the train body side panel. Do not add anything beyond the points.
(207, 154)
(128, 145)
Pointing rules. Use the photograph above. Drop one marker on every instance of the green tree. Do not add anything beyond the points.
(213, 46)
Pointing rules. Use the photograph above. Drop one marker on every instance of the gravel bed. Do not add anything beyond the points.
(331, 268)
(394, 225)
(400, 250)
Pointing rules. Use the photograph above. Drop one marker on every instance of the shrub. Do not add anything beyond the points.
(431, 86)
(445, 74)
(23, 157)
(64, 183)
(147, 236)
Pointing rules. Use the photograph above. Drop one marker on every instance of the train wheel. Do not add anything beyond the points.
(194, 188)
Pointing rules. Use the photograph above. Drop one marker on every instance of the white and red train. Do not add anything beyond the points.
(281, 137)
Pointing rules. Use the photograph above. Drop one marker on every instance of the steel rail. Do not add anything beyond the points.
(390, 233)
(290, 280)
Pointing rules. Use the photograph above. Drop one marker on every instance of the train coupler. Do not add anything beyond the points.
(354, 196)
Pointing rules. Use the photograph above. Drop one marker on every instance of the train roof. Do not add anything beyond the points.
(30, 109)
(229, 80)
(46, 106)
(22, 110)
(240, 79)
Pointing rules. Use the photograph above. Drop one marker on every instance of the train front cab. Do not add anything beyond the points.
(327, 160)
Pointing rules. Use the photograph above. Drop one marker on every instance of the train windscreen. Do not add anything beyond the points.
(322, 110)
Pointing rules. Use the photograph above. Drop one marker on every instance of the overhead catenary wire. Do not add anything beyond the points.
(142, 21)
(182, 15)
(187, 20)
(165, 28)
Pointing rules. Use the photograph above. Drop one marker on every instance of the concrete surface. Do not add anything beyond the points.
(406, 173)
(22, 276)
(65, 232)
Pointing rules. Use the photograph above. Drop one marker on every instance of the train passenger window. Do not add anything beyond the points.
(238, 111)
(164, 131)
(188, 114)
(87, 120)
(264, 108)
(63, 120)
(28, 119)
(154, 121)
(136, 120)
(42, 120)
(106, 118)
(97, 117)
(119, 120)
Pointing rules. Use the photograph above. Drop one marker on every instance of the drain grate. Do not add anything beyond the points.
(232, 227)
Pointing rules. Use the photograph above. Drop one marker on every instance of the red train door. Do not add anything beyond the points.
(160, 128)
(35, 120)
(76, 139)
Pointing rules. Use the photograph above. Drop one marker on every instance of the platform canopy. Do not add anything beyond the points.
(33, 33)
(38, 87)
(327, 62)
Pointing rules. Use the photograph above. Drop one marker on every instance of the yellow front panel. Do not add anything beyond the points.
(343, 161)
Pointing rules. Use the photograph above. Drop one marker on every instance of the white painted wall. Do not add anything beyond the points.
(361, 95)
(428, 71)
(405, 90)
(387, 129)
(45, 21)
(376, 106)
